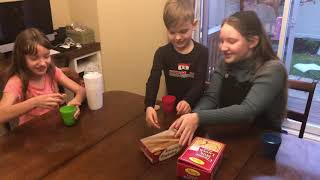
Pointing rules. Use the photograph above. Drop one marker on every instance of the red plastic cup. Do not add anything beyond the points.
(168, 103)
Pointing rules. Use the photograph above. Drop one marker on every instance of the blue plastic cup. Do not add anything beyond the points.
(271, 143)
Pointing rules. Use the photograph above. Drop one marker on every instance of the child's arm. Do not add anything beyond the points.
(9, 110)
(73, 86)
(152, 85)
(211, 96)
(183, 107)
(198, 83)
(152, 118)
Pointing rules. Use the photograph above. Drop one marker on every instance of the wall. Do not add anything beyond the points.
(60, 10)
(131, 31)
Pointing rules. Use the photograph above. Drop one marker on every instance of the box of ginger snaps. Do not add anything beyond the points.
(160, 146)
(200, 160)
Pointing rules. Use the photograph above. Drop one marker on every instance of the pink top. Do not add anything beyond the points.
(14, 86)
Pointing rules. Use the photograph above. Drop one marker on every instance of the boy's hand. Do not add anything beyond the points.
(151, 117)
(48, 100)
(183, 107)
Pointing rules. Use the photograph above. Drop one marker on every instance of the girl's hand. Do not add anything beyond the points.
(75, 103)
(48, 100)
(152, 118)
(186, 125)
(183, 107)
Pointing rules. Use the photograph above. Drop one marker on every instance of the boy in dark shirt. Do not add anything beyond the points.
(183, 61)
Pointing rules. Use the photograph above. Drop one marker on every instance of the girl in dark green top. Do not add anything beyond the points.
(249, 86)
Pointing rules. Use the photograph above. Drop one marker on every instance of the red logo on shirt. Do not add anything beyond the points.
(183, 66)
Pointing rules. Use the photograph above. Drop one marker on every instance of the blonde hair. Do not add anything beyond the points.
(176, 11)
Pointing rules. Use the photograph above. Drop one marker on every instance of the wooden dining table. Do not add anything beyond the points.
(104, 145)
(43, 145)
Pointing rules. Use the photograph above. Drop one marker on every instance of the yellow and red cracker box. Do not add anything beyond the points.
(160, 146)
(200, 160)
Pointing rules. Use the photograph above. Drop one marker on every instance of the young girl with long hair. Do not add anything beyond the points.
(248, 87)
(30, 87)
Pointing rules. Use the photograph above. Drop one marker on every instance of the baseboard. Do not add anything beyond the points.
(306, 135)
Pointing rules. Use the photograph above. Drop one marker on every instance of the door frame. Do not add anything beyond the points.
(288, 27)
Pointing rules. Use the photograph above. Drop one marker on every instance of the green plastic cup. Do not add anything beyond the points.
(67, 114)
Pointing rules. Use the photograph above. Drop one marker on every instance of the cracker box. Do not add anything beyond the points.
(160, 146)
(200, 160)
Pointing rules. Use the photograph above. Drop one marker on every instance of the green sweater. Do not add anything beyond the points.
(256, 96)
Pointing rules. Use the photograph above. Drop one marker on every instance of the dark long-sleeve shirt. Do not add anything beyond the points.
(185, 74)
(264, 102)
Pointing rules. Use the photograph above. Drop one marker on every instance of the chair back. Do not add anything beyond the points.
(299, 116)
(70, 73)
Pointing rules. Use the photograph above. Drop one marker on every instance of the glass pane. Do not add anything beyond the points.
(302, 53)
(270, 13)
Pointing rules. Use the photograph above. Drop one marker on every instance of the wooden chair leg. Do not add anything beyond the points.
(303, 127)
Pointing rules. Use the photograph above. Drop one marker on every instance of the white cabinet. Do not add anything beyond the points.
(79, 64)
(78, 59)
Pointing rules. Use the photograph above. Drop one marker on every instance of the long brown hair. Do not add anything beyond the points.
(248, 25)
(26, 44)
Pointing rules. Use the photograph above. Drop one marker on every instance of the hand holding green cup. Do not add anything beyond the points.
(67, 114)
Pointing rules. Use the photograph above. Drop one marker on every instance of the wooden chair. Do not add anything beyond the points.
(72, 74)
(299, 116)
